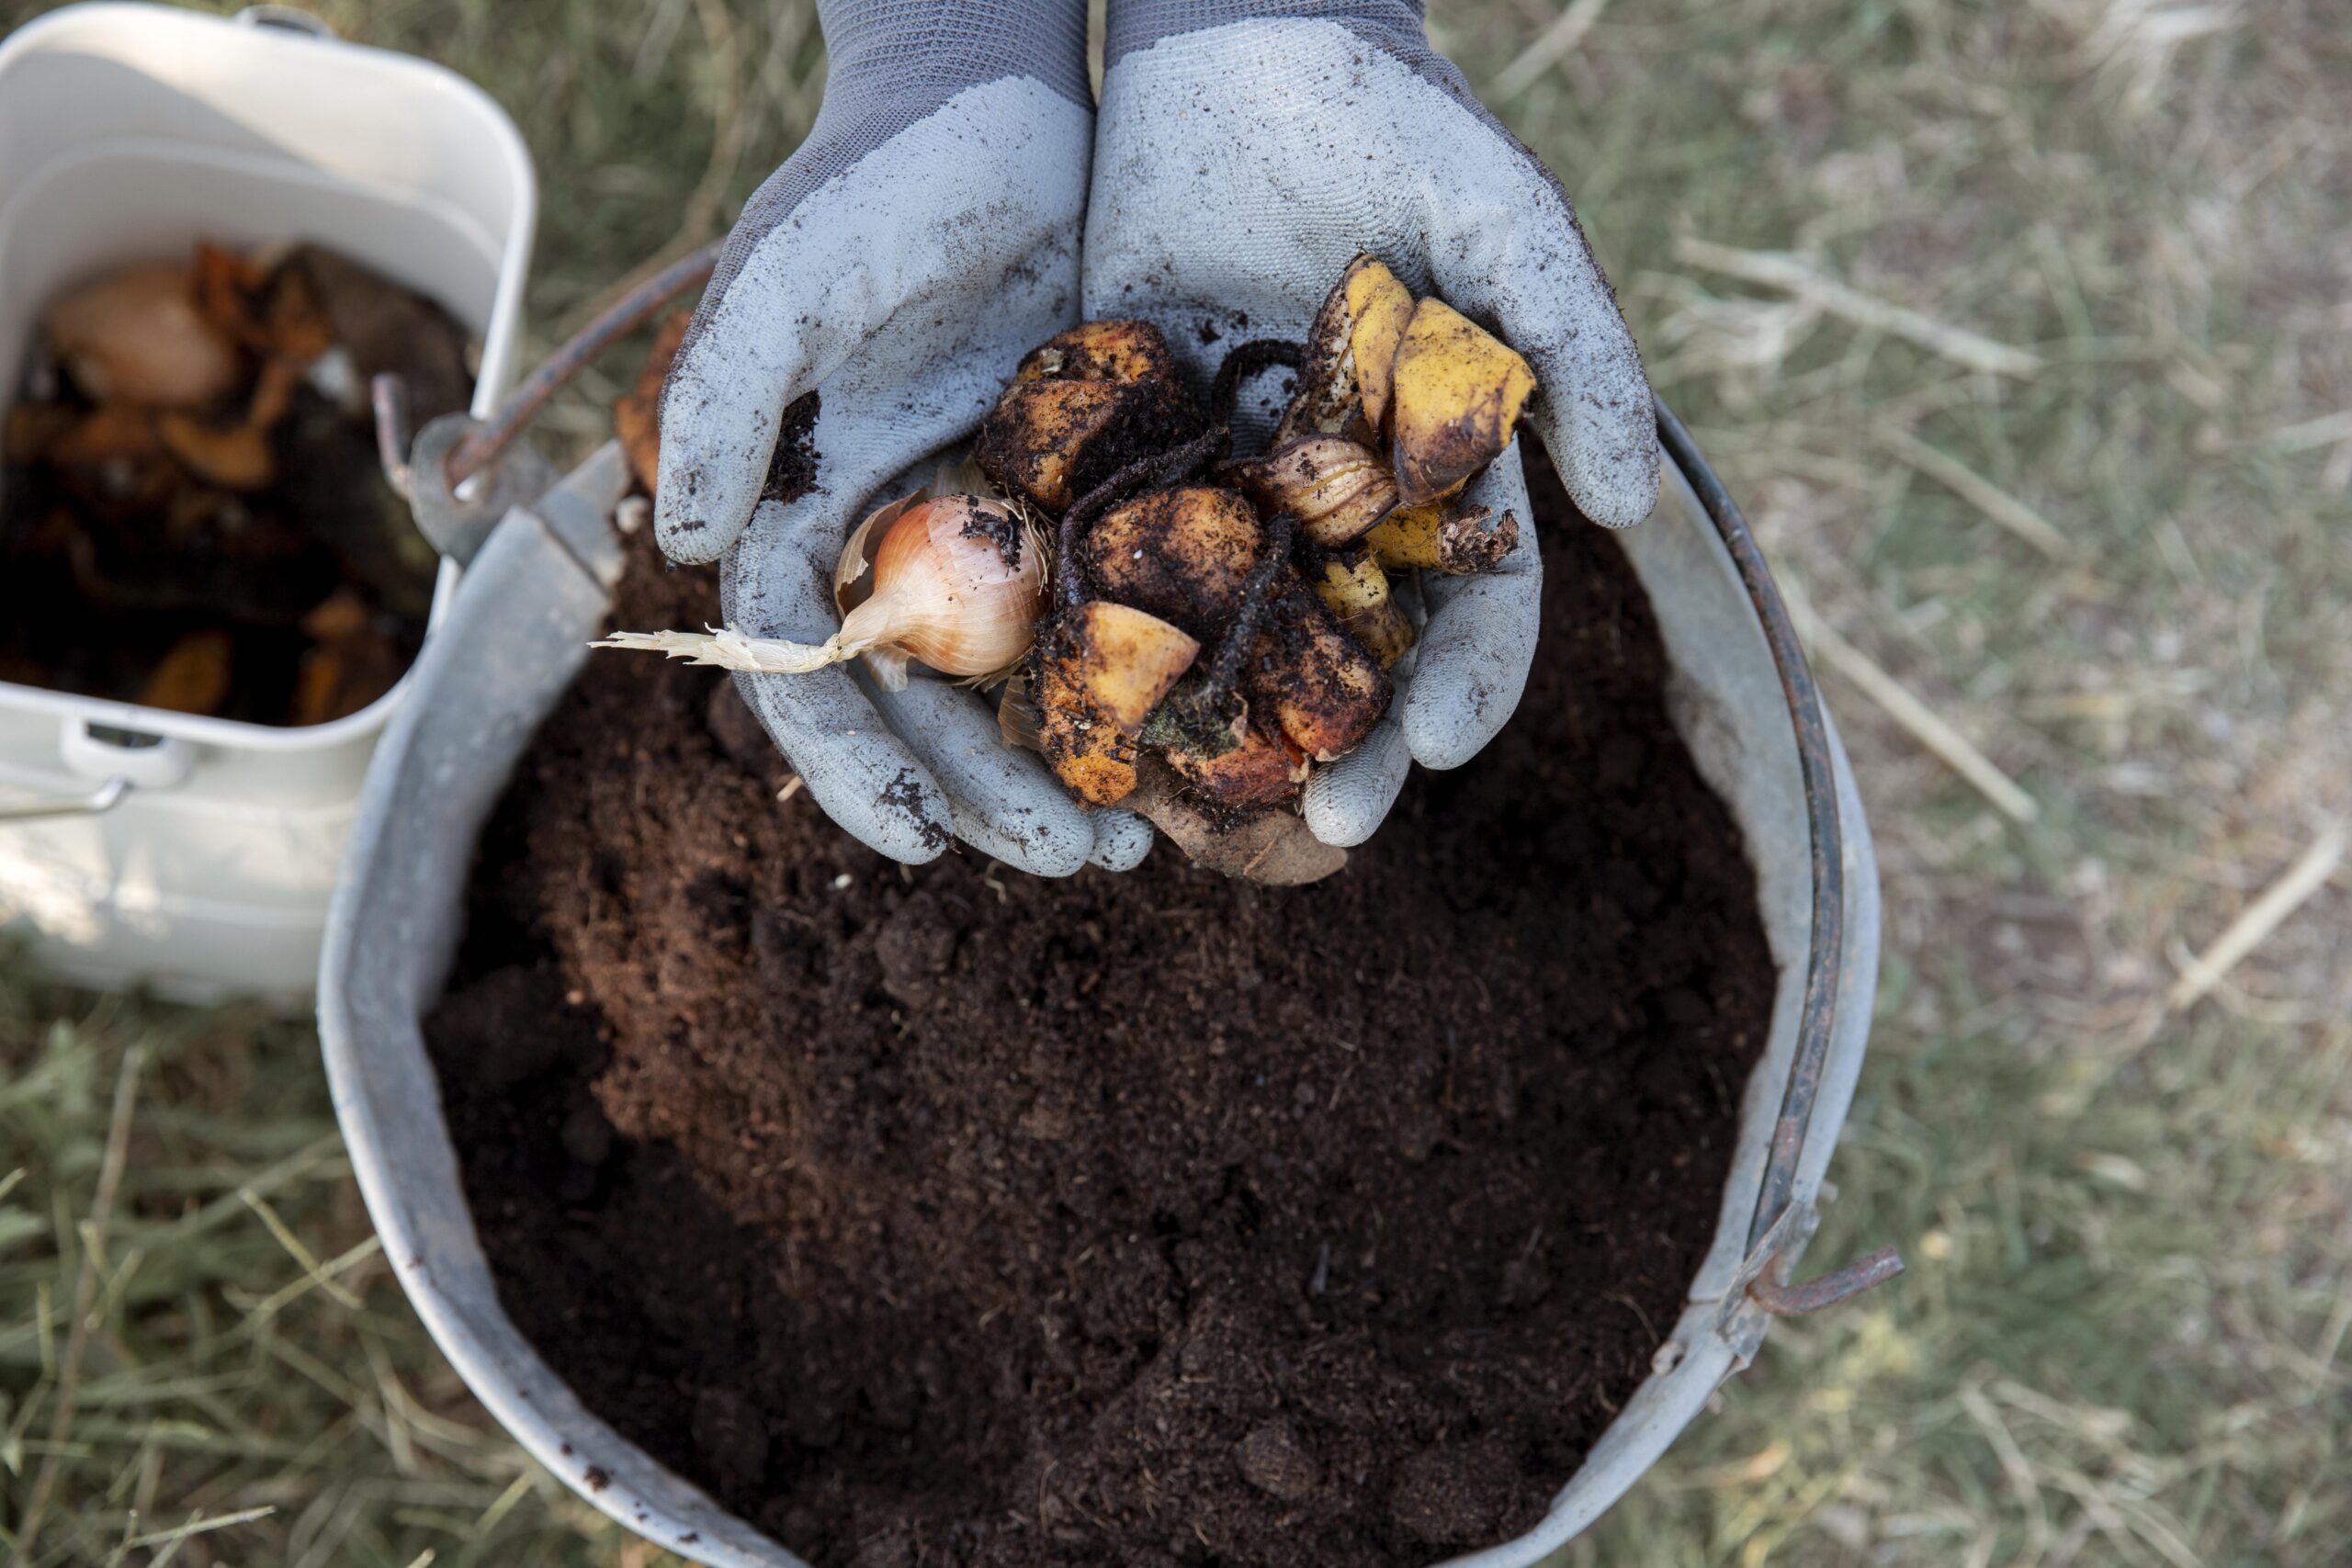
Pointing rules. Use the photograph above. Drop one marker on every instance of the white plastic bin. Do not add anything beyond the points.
(127, 133)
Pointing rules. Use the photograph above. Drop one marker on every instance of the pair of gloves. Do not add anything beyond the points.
(939, 222)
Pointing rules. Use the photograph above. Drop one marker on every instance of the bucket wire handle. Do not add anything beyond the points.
(97, 802)
(1825, 952)
(482, 446)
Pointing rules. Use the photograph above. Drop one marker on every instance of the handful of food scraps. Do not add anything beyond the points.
(1175, 628)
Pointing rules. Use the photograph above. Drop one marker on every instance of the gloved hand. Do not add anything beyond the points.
(1244, 152)
(922, 239)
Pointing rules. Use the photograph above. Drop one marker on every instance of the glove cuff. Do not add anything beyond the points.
(1393, 25)
(892, 62)
(920, 53)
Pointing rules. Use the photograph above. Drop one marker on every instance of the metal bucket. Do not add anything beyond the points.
(514, 639)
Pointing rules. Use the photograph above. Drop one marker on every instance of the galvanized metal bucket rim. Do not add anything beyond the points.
(1715, 1336)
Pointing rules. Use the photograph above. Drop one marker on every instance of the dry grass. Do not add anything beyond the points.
(2096, 255)
(2122, 1337)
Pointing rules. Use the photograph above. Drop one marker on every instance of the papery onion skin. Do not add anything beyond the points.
(958, 583)
(136, 336)
(944, 591)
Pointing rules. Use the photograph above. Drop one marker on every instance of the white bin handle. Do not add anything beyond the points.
(104, 753)
(118, 761)
(291, 18)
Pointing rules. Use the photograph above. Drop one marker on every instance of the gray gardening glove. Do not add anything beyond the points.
(1244, 152)
(921, 240)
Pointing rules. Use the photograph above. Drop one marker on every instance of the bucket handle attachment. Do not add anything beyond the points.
(1779, 1220)
(119, 761)
(1782, 1299)
(106, 752)
(447, 472)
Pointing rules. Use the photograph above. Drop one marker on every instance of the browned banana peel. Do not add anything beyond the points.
(1336, 488)
(1437, 536)
(1356, 591)
(1129, 660)
(1344, 387)
(1439, 393)
(1100, 669)
(1084, 748)
(1083, 404)
(1455, 395)
(1271, 846)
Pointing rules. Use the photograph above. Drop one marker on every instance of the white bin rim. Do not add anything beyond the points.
(540, 587)
(99, 26)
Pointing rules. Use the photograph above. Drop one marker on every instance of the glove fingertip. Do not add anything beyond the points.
(1442, 741)
(1345, 802)
(1472, 664)
(691, 541)
(1458, 703)
(1617, 486)
(1039, 840)
(1001, 801)
(911, 819)
(698, 513)
(1122, 839)
(1335, 824)
(718, 428)
(1598, 421)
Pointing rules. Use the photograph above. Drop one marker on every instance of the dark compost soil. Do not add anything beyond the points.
(947, 1217)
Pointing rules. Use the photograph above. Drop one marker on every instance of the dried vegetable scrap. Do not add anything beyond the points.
(192, 513)
(1176, 627)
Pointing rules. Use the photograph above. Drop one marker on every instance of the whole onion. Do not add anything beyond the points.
(958, 581)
